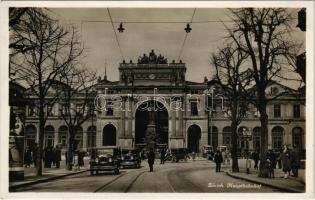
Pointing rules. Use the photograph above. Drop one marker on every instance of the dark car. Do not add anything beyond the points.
(179, 154)
(104, 163)
(130, 158)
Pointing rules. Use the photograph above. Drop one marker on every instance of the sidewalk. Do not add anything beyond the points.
(291, 184)
(49, 174)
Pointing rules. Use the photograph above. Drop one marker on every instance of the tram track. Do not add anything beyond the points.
(117, 178)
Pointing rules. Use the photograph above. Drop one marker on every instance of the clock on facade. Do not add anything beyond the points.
(152, 76)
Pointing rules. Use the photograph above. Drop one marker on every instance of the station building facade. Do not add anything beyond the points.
(155, 82)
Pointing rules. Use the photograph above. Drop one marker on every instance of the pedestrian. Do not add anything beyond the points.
(295, 161)
(34, 154)
(75, 163)
(27, 157)
(285, 159)
(228, 156)
(273, 159)
(80, 159)
(255, 156)
(45, 157)
(53, 156)
(248, 164)
(162, 156)
(223, 156)
(218, 159)
(151, 158)
(270, 168)
(57, 156)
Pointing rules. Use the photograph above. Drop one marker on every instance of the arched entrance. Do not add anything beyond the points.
(155, 114)
(30, 136)
(297, 137)
(109, 135)
(194, 135)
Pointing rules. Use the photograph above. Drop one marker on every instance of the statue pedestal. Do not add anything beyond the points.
(150, 136)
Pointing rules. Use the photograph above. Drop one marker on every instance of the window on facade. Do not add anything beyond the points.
(78, 138)
(227, 132)
(296, 111)
(194, 108)
(30, 135)
(277, 110)
(256, 138)
(50, 110)
(49, 136)
(109, 135)
(31, 111)
(63, 133)
(297, 137)
(109, 109)
(277, 137)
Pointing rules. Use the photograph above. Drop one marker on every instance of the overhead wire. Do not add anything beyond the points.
(111, 20)
(183, 45)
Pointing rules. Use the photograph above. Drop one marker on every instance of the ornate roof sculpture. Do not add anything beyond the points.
(152, 59)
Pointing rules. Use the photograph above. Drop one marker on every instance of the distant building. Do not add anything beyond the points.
(153, 81)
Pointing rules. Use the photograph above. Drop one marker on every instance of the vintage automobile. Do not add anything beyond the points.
(130, 158)
(104, 163)
(179, 154)
(208, 152)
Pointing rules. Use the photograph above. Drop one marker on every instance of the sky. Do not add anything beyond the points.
(138, 38)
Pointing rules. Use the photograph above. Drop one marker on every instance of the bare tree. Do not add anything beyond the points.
(53, 49)
(233, 79)
(264, 34)
(77, 100)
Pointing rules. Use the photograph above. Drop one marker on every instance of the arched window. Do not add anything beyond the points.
(193, 137)
(277, 137)
(213, 137)
(109, 135)
(91, 136)
(242, 135)
(49, 136)
(297, 137)
(227, 133)
(30, 135)
(63, 135)
(256, 138)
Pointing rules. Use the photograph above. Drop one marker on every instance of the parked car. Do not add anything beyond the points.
(208, 152)
(179, 154)
(130, 158)
(104, 163)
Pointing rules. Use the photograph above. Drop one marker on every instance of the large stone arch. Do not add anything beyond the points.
(193, 138)
(161, 122)
(109, 135)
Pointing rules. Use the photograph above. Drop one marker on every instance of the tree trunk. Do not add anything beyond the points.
(39, 162)
(69, 160)
(235, 167)
(263, 171)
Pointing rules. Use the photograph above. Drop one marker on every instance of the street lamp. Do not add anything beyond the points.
(247, 135)
(211, 92)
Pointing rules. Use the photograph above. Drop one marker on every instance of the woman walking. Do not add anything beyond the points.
(285, 158)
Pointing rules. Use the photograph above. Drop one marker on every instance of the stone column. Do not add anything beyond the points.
(180, 123)
(269, 138)
(122, 120)
(220, 138)
(129, 131)
(173, 125)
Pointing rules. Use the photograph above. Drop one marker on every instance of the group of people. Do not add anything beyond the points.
(30, 155)
(288, 160)
(52, 156)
